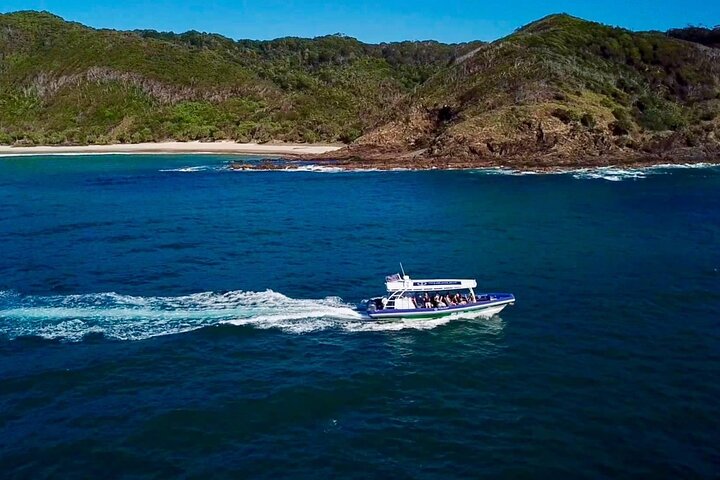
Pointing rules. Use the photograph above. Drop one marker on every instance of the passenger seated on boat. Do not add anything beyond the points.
(448, 300)
(415, 302)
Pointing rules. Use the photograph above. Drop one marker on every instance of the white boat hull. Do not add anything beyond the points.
(488, 309)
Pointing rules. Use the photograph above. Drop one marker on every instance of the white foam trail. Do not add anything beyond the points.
(313, 168)
(125, 317)
(506, 171)
(196, 168)
(413, 323)
(611, 173)
(327, 169)
(396, 325)
(617, 174)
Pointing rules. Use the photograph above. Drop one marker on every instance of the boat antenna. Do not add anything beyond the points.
(402, 269)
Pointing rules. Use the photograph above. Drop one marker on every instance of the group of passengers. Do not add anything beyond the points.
(439, 300)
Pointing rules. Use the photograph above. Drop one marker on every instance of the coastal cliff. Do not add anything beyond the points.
(559, 92)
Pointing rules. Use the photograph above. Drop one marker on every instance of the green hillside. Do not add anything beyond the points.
(565, 87)
(560, 88)
(61, 82)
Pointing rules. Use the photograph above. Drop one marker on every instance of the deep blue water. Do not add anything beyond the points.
(160, 321)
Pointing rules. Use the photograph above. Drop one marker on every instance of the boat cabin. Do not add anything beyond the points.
(408, 294)
(409, 298)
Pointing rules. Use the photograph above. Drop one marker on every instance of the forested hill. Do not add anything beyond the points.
(705, 36)
(560, 87)
(565, 90)
(62, 82)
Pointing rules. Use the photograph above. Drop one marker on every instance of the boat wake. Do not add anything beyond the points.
(413, 323)
(123, 317)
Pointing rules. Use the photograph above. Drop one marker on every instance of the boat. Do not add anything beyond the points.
(433, 298)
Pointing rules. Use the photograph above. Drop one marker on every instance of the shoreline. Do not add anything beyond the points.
(308, 163)
(611, 169)
(371, 157)
(223, 147)
(320, 157)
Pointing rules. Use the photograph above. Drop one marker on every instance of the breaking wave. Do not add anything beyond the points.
(617, 174)
(506, 171)
(611, 174)
(124, 317)
(196, 168)
(328, 169)
(313, 168)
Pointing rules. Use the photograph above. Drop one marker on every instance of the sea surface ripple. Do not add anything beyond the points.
(165, 316)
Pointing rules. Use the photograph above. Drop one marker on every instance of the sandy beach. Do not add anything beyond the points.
(176, 147)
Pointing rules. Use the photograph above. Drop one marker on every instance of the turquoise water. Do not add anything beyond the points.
(165, 316)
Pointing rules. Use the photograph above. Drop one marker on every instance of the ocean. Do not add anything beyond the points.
(163, 316)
